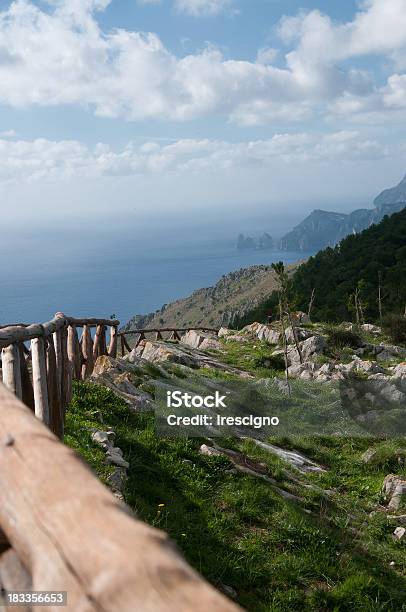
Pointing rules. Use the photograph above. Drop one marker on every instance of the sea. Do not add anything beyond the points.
(105, 277)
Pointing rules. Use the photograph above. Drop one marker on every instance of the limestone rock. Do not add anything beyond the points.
(399, 533)
(315, 345)
(209, 451)
(301, 334)
(225, 331)
(116, 375)
(368, 456)
(394, 489)
(159, 352)
(368, 367)
(371, 329)
(301, 317)
(210, 344)
(387, 352)
(264, 332)
(400, 370)
(196, 340)
(104, 364)
(115, 458)
(117, 481)
(103, 438)
(236, 338)
(305, 370)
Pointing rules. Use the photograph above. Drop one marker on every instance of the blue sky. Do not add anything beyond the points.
(199, 108)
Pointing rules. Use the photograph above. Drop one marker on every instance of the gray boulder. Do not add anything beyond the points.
(316, 345)
(201, 340)
(264, 332)
(301, 334)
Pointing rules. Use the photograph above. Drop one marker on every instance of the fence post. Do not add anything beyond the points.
(26, 384)
(54, 391)
(10, 357)
(103, 344)
(87, 353)
(66, 371)
(73, 352)
(113, 342)
(57, 337)
(39, 379)
(97, 342)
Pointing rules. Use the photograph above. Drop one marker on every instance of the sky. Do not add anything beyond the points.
(135, 113)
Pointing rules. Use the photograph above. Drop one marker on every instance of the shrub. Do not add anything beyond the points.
(342, 338)
(276, 362)
(395, 327)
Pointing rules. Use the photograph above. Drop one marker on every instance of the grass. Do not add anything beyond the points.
(255, 358)
(237, 531)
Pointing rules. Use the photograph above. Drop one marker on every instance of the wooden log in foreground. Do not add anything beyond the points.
(71, 534)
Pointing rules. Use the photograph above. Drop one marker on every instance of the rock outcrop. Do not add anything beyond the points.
(115, 374)
(160, 352)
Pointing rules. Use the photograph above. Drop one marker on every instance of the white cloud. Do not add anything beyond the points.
(204, 8)
(62, 56)
(267, 55)
(41, 159)
(8, 134)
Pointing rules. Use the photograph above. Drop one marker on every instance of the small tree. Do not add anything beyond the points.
(380, 297)
(311, 302)
(357, 303)
(284, 291)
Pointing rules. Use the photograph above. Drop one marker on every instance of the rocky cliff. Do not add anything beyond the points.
(395, 195)
(324, 228)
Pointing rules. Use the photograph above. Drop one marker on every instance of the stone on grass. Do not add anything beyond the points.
(399, 533)
(394, 489)
(209, 451)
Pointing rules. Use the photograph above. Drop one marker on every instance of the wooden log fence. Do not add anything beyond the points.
(42, 375)
(60, 528)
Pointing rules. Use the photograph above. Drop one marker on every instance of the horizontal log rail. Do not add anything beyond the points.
(62, 530)
(41, 376)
